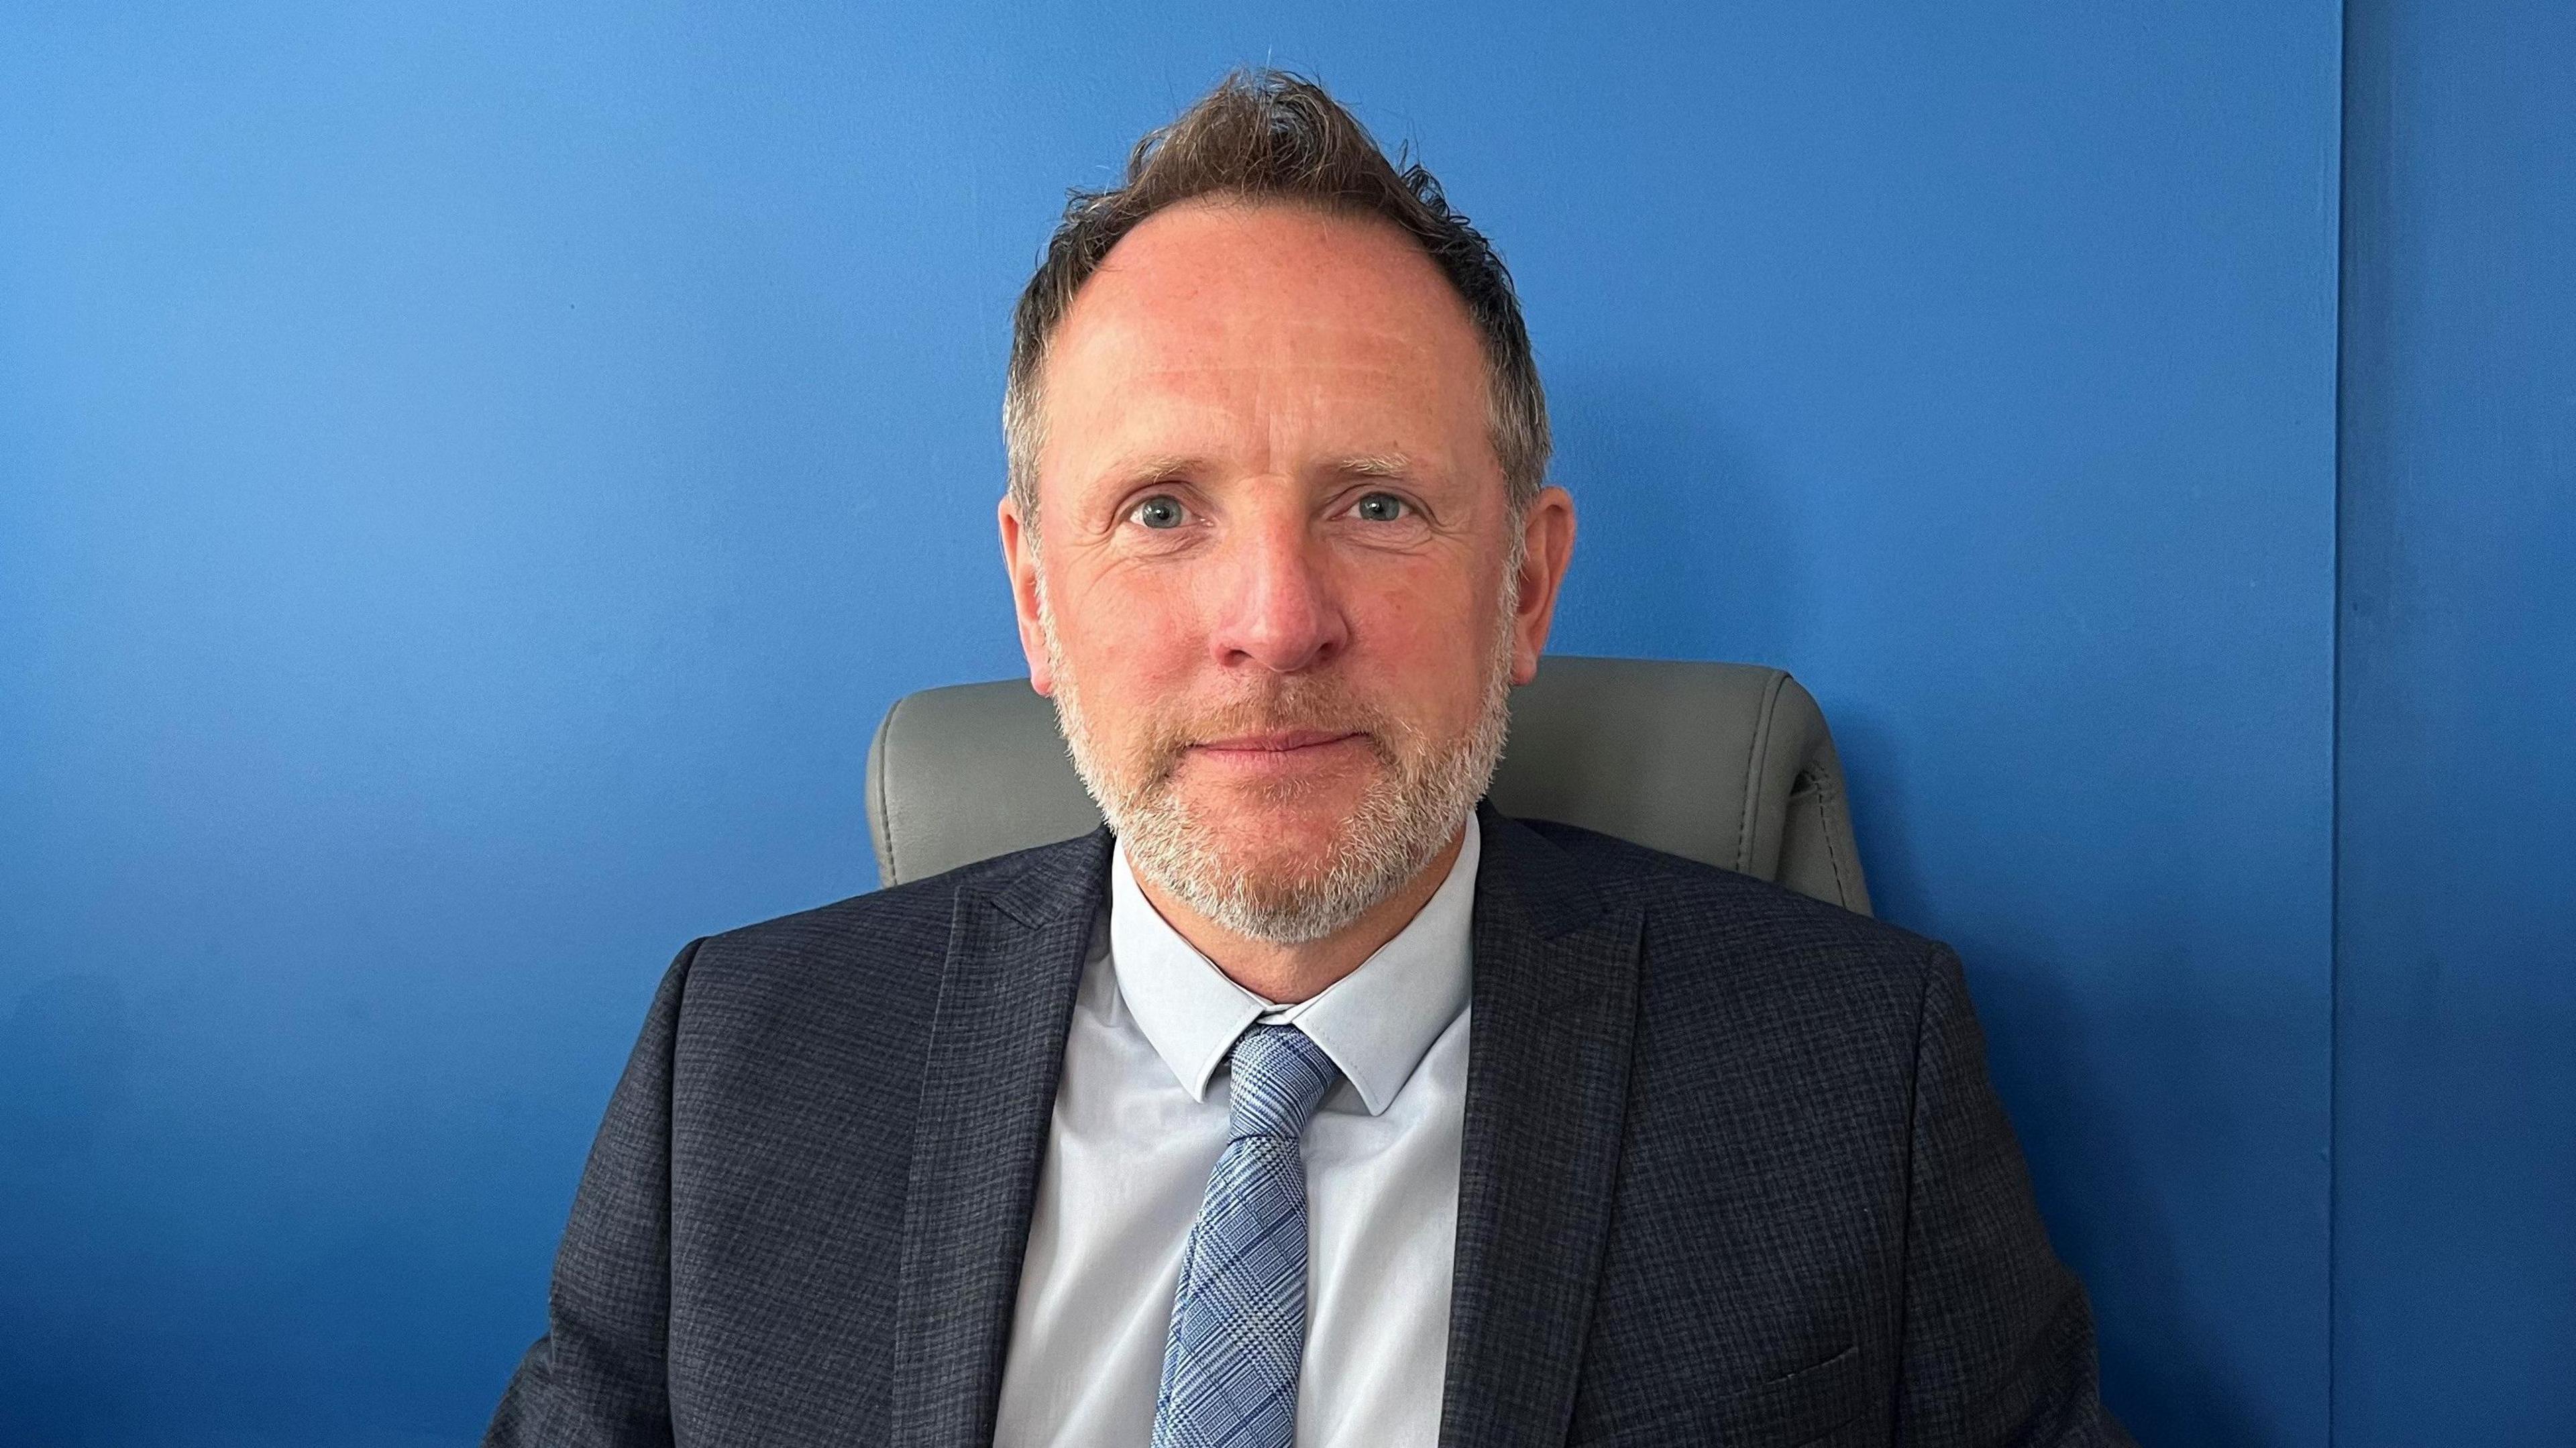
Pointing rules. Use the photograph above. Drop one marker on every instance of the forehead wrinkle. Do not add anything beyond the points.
(1147, 349)
(1142, 425)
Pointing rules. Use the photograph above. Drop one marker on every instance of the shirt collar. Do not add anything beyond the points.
(1376, 1023)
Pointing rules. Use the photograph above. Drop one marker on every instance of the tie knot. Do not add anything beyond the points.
(1280, 1077)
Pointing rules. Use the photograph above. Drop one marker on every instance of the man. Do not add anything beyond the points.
(1307, 1103)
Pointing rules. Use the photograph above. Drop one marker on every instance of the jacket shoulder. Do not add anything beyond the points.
(1809, 988)
(1685, 892)
(880, 954)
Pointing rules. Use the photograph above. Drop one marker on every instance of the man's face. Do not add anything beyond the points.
(1277, 588)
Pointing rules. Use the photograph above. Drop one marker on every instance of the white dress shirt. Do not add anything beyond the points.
(1140, 1119)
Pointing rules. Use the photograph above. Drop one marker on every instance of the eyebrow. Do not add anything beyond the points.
(1375, 465)
(1151, 469)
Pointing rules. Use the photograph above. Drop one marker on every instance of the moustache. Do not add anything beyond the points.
(1294, 706)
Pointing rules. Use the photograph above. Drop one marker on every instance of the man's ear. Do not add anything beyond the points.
(1020, 559)
(1547, 545)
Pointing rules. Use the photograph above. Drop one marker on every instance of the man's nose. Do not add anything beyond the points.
(1278, 606)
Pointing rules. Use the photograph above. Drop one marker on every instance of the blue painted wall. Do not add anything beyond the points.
(2455, 1100)
(471, 476)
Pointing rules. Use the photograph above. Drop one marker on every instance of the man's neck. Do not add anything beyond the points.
(1290, 973)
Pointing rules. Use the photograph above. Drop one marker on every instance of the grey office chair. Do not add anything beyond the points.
(1728, 764)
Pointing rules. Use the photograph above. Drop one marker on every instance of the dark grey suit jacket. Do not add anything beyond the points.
(1732, 1174)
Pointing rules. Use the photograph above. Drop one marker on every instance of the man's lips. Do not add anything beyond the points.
(1285, 741)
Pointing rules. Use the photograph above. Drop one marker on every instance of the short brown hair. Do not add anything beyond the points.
(1266, 135)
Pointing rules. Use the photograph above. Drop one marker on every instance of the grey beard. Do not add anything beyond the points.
(1401, 823)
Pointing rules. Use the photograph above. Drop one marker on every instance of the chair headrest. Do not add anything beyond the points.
(1727, 764)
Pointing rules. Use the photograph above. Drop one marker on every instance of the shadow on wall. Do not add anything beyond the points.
(1662, 574)
(2163, 1372)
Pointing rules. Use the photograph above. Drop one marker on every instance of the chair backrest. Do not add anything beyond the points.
(1728, 764)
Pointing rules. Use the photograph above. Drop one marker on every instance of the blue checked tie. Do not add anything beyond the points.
(1239, 1320)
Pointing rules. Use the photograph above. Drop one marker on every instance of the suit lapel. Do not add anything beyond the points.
(1554, 1013)
(1015, 958)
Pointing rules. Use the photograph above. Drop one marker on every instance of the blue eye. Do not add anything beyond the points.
(1379, 508)
(1160, 511)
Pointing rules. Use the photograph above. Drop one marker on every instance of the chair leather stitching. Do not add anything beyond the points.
(1821, 781)
(1753, 773)
(885, 793)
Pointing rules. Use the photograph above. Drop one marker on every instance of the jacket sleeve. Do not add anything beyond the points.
(598, 1378)
(1998, 1339)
